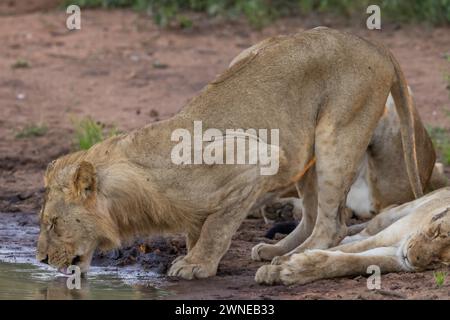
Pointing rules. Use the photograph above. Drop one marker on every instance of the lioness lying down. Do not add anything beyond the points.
(411, 237)
(325, 92)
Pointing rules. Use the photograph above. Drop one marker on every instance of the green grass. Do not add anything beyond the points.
(441, 141)
(261, 12)
(184, 22)
(89, 132)
(32, 130)
(21, 64)
(439, 278)
(99, 3)
(447, 74)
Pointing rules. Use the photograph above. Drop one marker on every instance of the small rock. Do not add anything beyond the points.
(13, 199)
(158, 65)
(25, 196)
(134, 58)
(154, 113)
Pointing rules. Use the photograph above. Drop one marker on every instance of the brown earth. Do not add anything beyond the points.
(123, 70)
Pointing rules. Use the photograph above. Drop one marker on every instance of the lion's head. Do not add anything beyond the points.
(95, 199)
(431, 243)
(70, 220)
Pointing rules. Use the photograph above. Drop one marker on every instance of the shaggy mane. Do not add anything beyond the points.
(126, 203)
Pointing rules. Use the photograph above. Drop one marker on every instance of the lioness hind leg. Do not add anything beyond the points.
(307, 188)
(339, 148)
(382, 221)
(313, 265)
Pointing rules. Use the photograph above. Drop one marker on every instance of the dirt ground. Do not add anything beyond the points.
(123, 70)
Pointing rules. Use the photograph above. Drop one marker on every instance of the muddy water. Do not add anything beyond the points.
(22, 278)
(26, 281)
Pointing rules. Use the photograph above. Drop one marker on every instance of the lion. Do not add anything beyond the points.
(408, 238)
(323, 90)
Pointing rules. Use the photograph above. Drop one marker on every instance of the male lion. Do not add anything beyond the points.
(323, 89)
(414, 236)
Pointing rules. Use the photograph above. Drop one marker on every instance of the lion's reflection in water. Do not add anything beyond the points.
(21, 281)
(57, 289)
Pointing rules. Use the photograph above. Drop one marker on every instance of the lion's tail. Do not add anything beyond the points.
(404, 106)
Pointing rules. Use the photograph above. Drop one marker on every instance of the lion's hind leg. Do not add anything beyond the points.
(342, 135)
(313, 265)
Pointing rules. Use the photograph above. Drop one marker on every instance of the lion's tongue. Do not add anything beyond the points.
(63, 270)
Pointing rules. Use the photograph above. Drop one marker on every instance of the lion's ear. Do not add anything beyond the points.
(84, 179)
(48, 171)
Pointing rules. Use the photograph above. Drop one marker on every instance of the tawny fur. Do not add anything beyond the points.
(382, 180)
(412, 237)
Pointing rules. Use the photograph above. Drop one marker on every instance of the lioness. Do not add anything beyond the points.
(382, 179)
(323, 89)
(414, 236)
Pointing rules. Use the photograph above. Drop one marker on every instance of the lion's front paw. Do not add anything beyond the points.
(268, 274)
(267, 252)
(189, 271)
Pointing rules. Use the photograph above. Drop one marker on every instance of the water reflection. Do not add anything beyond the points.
(24, 281)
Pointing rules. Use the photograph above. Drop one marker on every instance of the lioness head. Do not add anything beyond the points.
(69, 218)
(431, 244)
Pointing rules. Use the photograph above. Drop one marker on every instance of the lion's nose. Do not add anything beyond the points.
(45, 260)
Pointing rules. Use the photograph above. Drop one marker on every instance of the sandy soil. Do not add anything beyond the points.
(123, 70)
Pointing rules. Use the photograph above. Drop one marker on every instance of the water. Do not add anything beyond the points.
(26, 281)
(21, 277)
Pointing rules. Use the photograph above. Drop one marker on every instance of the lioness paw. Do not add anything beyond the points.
(267, 252)
(268, 274)
(280, 259)
(190, 271)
